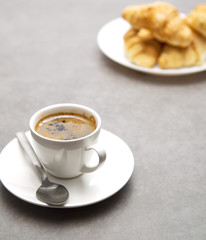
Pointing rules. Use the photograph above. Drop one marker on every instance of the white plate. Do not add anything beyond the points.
(20, 177)
(111, 43)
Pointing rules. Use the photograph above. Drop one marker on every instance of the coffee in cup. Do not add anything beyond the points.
(65, 126)
(65, 138)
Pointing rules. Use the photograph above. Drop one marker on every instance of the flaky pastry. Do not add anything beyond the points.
(145, 34)
(142, 53)
(177, 57)
(162, 19)
(197, 19)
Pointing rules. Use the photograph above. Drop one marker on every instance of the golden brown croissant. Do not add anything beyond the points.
(157, 14)
(197, 19)
(199, 43)
(145, 34)
(162, 19)
(142, 53)
(177, 57)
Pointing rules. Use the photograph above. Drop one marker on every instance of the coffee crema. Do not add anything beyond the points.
(65, 126)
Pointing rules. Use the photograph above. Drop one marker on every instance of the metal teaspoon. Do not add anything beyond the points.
(49, 192)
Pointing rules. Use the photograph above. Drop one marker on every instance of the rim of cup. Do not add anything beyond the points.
(58, 108)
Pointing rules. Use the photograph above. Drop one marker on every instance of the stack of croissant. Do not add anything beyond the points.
(158, 34)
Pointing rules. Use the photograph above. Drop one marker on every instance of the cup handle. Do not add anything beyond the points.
(101, 155)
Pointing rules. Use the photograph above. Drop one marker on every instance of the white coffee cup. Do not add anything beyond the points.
(68, 158)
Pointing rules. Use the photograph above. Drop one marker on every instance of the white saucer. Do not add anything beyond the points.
(111, 43)
(20, 177)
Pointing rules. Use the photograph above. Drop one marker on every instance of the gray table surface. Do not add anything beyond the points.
(49, 54)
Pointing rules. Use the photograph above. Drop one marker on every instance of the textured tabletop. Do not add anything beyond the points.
(49, 54)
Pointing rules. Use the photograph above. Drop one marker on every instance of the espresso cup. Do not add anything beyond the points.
(73, 157)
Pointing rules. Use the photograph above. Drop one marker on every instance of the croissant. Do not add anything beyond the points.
(199, 43)
(162, 19)
(197, 19)
(177, 57)
(145, 34)
(142, 53)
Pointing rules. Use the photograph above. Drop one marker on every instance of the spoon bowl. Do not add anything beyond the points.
(52, 193)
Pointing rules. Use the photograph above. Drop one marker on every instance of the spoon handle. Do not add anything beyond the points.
(24, 142)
